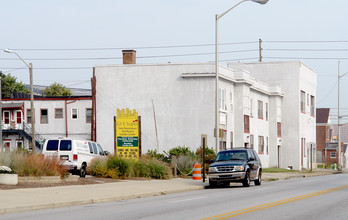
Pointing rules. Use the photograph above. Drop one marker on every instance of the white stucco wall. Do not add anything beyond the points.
(184, 106)
(292, 77)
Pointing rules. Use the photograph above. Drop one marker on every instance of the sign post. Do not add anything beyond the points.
(127, 133)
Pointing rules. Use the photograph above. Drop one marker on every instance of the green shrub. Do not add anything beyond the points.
(158, 156)
(120, 164)
(177, 151)
(111, 167)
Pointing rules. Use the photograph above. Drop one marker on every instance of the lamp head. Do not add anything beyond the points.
(8, 51)
(262, 2)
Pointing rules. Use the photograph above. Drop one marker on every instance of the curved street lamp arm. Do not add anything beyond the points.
(10, 51)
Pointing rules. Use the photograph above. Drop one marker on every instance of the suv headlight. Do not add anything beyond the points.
(212, 169)
(239, 168)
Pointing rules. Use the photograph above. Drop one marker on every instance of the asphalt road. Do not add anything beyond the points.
(322, 197)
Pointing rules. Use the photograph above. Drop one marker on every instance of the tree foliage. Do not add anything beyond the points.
(10, 85)
(56, 89)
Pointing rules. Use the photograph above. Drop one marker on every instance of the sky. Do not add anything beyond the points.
(65, 39)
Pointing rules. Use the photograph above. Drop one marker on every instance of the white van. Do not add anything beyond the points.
(77, 154)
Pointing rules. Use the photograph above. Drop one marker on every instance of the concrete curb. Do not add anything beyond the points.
(93, 201)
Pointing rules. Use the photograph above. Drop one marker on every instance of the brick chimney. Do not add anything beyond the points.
(129, 56)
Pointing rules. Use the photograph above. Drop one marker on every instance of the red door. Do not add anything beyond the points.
(19, 117)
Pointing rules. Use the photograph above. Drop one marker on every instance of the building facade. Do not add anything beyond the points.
(54, 117)
(298, 82)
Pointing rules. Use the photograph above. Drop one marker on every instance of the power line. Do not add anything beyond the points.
(304, 41)
(124, 48)
(309, 58)
(138, 57)
(310, 50)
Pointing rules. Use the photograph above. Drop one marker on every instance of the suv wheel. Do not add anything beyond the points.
(258, 181)
(246, 181)
(212, 183)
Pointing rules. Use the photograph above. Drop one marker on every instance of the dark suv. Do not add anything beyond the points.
(236, 165)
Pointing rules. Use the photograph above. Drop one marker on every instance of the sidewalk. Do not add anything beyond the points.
(21, 200)
(28, 199)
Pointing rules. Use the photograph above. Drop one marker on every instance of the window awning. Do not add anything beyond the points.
(12, 105)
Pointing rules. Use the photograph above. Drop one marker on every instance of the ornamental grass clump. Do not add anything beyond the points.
(31, 164)
(116, 167)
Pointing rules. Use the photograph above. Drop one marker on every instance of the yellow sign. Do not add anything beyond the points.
(127, 133)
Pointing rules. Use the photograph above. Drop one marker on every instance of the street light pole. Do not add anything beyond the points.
(217, 111)
(32, 109)
(339, 115)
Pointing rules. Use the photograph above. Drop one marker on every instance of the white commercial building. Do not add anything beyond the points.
(263, 112)
(54, 117)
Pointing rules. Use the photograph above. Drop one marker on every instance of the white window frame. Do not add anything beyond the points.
(72, 113)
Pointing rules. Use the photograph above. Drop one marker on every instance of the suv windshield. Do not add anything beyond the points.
(231, 155)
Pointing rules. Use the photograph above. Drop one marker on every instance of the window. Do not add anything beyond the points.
(52, 145)
(252, 141)
(65, 145)
(88, 115)
(279, 129)
(332, 154)
(19, 144)
(90, 147)
(231, 140)
(6, 117)
(44, 116)
(251, 107)
(222, 98)
(303, 102)
(260, 109)
(58, 113)
(29, 116)
(74, 113)
(261, 145)
(95, 150)
(266, 145)
(18, 117)
(266, 111)
(246, 124)
(312, 105)
(231, 101)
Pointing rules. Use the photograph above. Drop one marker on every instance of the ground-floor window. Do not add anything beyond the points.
(332, 154)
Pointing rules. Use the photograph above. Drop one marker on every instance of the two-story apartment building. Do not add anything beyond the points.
(298, 128)
(54, 117)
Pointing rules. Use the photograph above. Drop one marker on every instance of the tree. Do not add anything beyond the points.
(56, 89)
(10, 85)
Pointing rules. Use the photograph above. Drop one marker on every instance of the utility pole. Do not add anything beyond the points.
(260, 50)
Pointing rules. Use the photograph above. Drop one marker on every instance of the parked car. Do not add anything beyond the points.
(235, 165)
(77, 154)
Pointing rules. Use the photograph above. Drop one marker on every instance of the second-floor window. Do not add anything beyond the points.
(279, 129)
(303, 102)
(312, 105)
(266, 110)
(222, 98)
(44, 116)
(260, 109)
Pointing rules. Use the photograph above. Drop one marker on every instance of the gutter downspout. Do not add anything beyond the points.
(66, 116)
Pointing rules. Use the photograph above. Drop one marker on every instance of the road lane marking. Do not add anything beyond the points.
(272, 204)
(185, 200)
